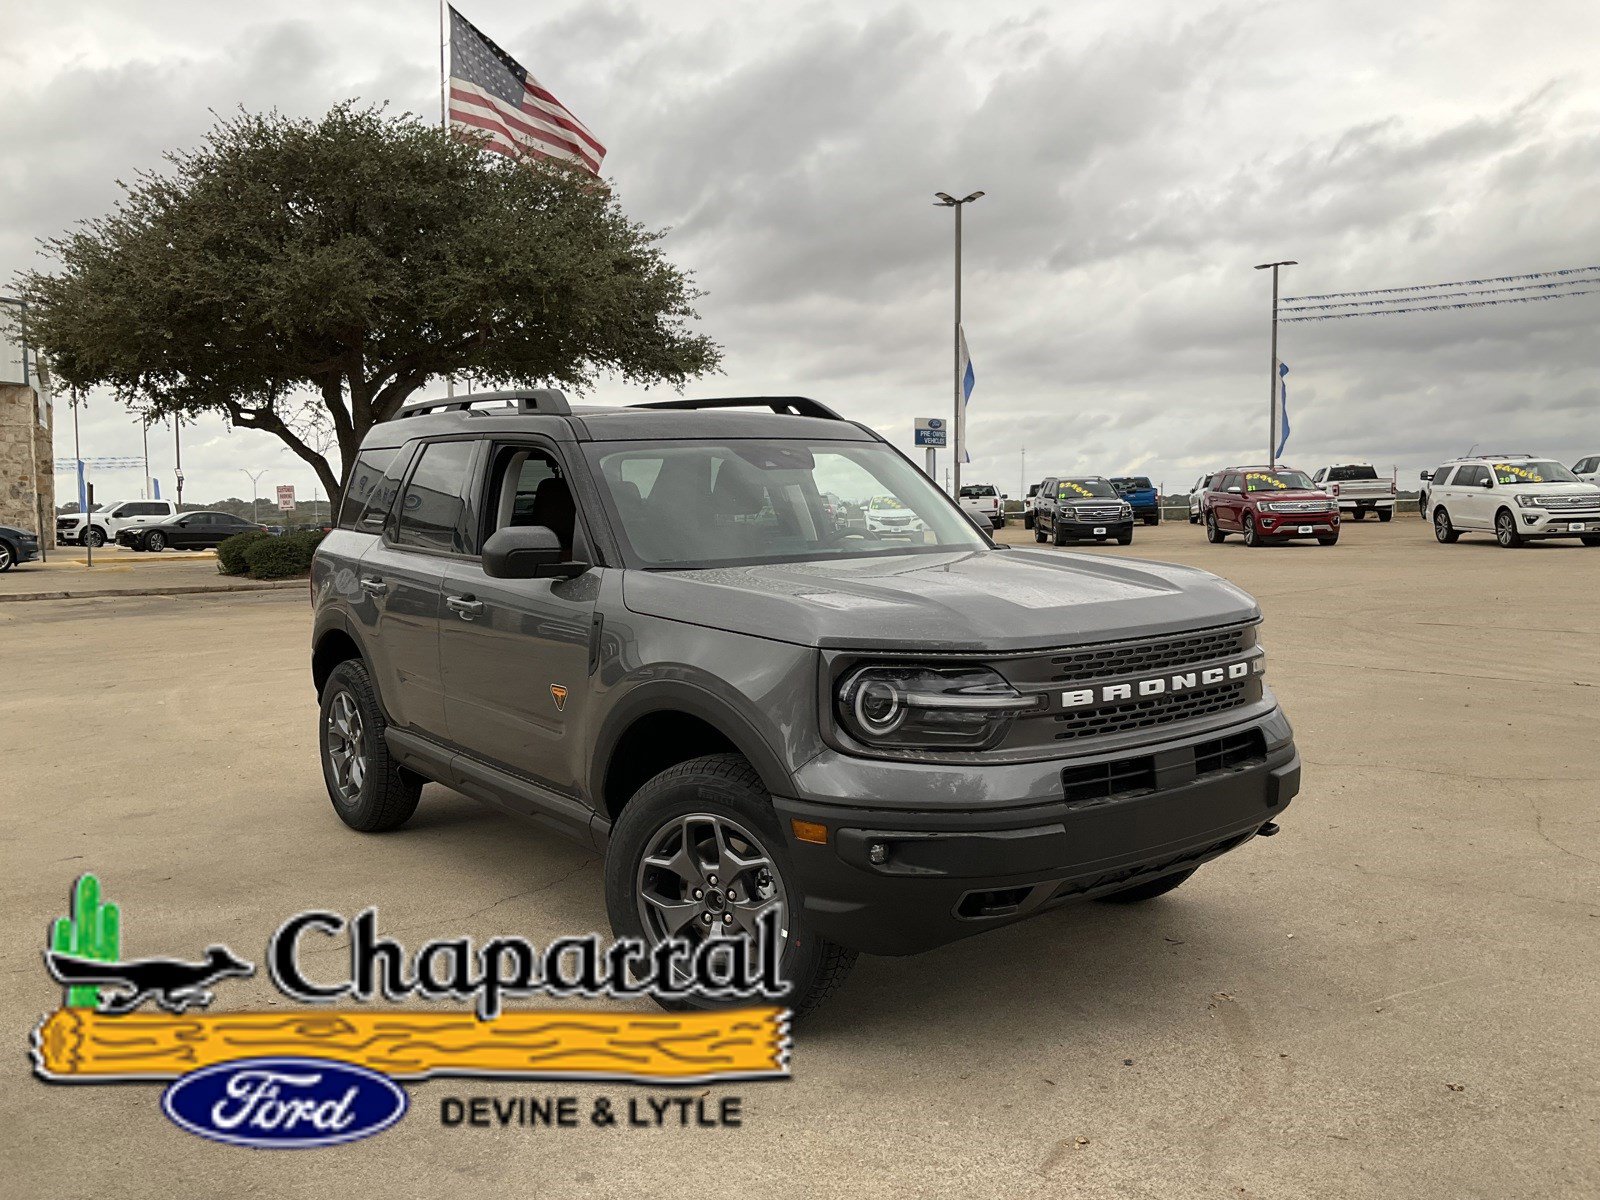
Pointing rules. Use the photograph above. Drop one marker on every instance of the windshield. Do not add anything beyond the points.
(1075, 489)
(1533, 472)
(1346, 474)
(703, 504)
(1277, 481)
(1132, 483)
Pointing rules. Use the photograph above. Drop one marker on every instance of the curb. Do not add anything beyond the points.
(272, 585)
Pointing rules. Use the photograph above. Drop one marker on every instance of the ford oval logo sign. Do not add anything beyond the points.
(285, 1103)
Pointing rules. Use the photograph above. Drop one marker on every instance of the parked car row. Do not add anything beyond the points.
(187, 531)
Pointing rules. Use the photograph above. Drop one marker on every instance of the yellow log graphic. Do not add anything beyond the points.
(78, 1043)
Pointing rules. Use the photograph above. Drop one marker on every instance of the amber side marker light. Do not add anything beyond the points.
(809, 831)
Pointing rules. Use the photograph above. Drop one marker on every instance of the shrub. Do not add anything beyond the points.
(282, 557)
(231, 553)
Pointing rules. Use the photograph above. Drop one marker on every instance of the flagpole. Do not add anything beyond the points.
(444, 114)
(958, 451)
(1272, 369)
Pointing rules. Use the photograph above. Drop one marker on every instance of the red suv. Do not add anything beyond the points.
(1269, 504)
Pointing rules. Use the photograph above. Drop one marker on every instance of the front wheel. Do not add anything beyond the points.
(1027, 520)
(155, 541)
(1505, 529)
(1213, 533)
(698, 854)
(1149, 891)
(1058, 536)
(1331, 540)
(1443, 530)
(370, 791)
(1590, 539)
(95, 538)
(1125, 539)
(7, 558)
(1251, 537)
(1360, 514)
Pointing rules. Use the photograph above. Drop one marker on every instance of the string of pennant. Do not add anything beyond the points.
(1389, 312)
(1526, 287)
(1461, 283)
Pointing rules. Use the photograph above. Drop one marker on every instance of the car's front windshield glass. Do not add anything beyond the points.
(1533, 472)
(1081, 489)
(1276, 481)
(704, 504)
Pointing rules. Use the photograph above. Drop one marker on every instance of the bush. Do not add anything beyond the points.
(282, 557)
(231, 553)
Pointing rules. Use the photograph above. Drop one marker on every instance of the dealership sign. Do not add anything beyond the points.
(286, 496)
(931, 431)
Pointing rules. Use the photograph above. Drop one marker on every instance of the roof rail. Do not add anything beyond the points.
(549, 401)
(791, 406)
(1504, 454)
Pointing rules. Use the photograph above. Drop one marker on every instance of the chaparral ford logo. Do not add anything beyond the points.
(1162, 685)
(321, 1075)
(273, 1103)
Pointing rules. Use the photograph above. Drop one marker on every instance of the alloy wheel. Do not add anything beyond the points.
(1505, 530)
(5, 557)
(1441, 525)
(705, 876)
(156, 542)
(347, 747)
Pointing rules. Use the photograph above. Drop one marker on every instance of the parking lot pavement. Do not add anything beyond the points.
(118, 570)
(1398, 996)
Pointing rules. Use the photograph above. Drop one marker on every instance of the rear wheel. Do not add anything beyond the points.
(370, 790)
(1213, 533)
(1505, 529)
(1443, 530)
(1149, 891)
(1386, 514)
(698, 855)
(1038, 534)
(1360, 514)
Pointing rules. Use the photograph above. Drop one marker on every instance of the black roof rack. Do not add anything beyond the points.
(1503, 454)
(792, 406)
(549, 401)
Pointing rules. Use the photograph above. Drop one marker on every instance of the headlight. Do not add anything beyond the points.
(1125, 511)
(914, 707)
(1529, 501)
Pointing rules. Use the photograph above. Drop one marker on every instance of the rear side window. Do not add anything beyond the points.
(364, 489)
(434, 504)
(1440, 477)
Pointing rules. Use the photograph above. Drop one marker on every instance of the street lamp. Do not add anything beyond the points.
(1272, 369)
(255, 510)
(946, 200)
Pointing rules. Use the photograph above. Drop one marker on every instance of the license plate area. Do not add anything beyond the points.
(1305, 529)
(1577, 527)
(1100, 530)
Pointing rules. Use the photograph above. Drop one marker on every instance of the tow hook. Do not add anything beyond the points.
(1268, 830)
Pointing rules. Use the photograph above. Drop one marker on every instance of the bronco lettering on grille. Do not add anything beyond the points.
(1161, 685)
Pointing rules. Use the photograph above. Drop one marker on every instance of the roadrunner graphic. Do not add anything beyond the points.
(174, 985)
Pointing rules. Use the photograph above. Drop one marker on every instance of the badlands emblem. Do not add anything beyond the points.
(558, 693)
(1161, 685)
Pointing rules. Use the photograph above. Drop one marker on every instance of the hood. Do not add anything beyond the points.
(1578, 488)
(988, 600)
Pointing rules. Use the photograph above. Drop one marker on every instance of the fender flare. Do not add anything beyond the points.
(335, 621)
(679, 696)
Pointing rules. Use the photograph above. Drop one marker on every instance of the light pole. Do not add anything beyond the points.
(1272, 369)
(255, 508)
(177, 450)
(958, 451)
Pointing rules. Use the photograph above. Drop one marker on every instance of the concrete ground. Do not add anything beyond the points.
(69, 574)
(1398, 996)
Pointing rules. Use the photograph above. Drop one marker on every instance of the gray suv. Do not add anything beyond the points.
(668, 632)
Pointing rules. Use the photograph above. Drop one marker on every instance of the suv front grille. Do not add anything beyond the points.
(1152, 711)
(1083, 512)
(1161, 654)
(1570, 503)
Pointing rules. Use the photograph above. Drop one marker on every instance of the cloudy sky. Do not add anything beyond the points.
(1138, 157)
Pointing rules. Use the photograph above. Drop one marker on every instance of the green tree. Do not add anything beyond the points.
(299, 274)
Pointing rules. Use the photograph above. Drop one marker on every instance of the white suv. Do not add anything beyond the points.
(1588, 469)
(105, 522)
(1513, 496)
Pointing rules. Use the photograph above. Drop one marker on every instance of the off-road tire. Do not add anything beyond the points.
(1149, 891)
(388, 793)
(721, 785)
(1443, 530)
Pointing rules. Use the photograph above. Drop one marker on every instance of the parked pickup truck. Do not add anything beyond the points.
(984, 500)
(104, 523)
(1139, 492)
(1358, 489)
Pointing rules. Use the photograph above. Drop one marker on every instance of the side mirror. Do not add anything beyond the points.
(1236, 491)
(1004, 496)
(1487, 483)
(527, 552)
(1424, 474)
(183, 520)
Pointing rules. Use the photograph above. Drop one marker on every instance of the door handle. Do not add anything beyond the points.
(374, 587)
(466, 606)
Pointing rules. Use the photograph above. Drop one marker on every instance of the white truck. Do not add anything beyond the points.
(986, 500)
(1357, 488)
(105, 522)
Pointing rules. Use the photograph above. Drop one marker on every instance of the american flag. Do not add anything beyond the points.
(491, 92)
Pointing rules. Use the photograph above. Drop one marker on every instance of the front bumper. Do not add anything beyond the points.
(27, 551)
(951, 873)
(1539, 522)
(1085, 530)
(69, 537)
(1293, 525)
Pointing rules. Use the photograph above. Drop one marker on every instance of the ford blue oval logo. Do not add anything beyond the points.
(285, 1103)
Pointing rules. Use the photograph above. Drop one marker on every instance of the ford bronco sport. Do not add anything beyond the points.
(642, 627)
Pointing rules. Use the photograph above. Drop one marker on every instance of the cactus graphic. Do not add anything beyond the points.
(92, 931)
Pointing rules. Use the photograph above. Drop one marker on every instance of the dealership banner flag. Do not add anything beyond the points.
(492, 93)
(1283, 407)
(968, 379)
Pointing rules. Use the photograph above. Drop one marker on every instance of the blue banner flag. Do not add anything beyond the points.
(1283, 408)
(968, 379)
